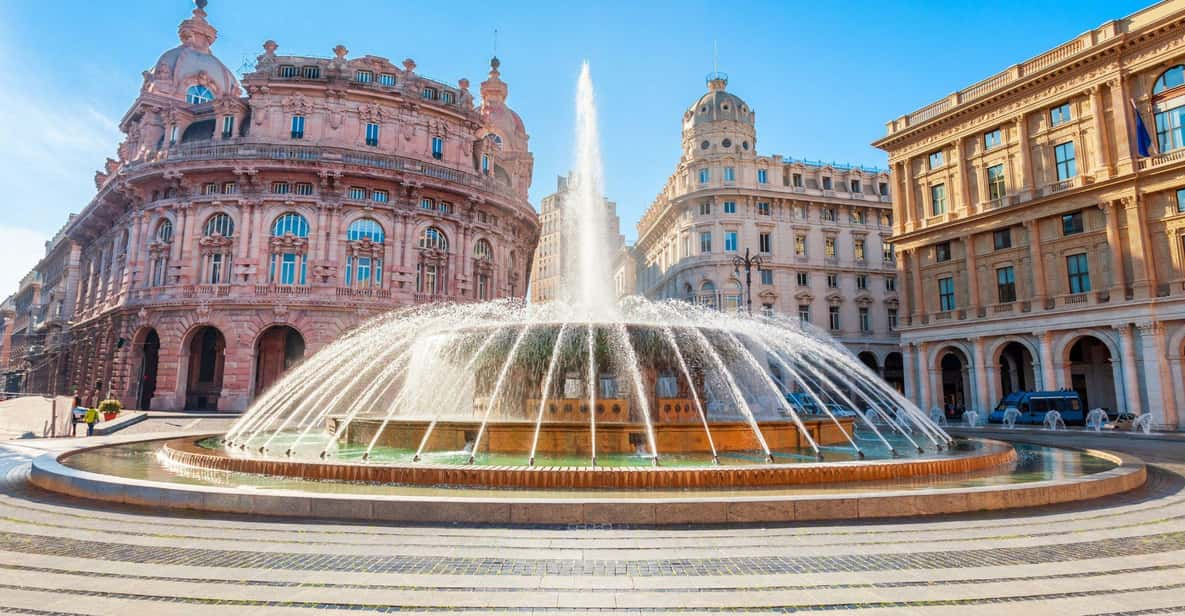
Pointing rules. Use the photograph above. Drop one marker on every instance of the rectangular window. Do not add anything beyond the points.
(946, 294)
(428, 94)
(380, 196)
(1006, 285)
(829, 247)
(858, 249)
(762, 208)
(865, 321)
(833, 317)
(229, 188)
(437, 148)
(803, 279)
(1067, 166)
(995, 182)
(942, 252)
(730, 241)
(884, 189)
(1078, 271)
(447, 97)
(856, 186)
(372, 134)
(892, 319)
(764, 243)
(767, 276)
(705, 242)
(1002, 238)
(298, 127)
(209, 188)
(304, 188)
(938, 199)
(363, 76)
(890, 283)
(427, 204)
(287, 71)
(1181, 199)
(216, 268)
(445, 207)
(827, 214)
(730, 174)
(762, 176)
(1059, 114)
(857, 217)
(826, 182)
(887, 253)
(797, 180)
(280, 188)
(862, 281)
(730, 207)
(804, 313)
(703, 176)
(991, 139)
(386, 79)
(1072, 223)
(936, 159)
(228, 127)
(310, 72)
(800, 245)
(705, 208)
(357, 193)
(832, 281)
(1170, 129)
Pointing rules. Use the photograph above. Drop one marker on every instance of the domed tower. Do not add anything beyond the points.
(503, 151)
(719, 123)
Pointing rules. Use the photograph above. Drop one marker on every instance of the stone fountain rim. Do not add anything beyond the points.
(49, 473)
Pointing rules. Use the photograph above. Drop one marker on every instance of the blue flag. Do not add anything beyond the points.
(1143, 139)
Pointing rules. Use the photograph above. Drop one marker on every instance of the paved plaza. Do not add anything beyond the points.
(1121, 555)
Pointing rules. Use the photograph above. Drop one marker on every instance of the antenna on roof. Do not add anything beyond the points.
(715, 57)
(495, 41)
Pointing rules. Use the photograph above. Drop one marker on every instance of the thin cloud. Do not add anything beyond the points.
(20, 250)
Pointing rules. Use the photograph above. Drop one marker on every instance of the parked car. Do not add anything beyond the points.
(1033, 405)
(804, 403)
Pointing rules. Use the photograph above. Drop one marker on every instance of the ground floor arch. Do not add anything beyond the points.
(1016, 366)
(869, 359)
(207, 363)
(148, 346)
(894, 371)
(1091, 372)
(954, 380)
(277, 350)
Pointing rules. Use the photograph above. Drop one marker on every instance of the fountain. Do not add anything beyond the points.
(417, 411)
(1096, 419)
(1010, 417)
(1054, 421)
(1143, 423)
(971, 418)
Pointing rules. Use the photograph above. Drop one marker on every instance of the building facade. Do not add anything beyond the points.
(820, 229)
(1040, 238)
(244, 225)
(553, 257)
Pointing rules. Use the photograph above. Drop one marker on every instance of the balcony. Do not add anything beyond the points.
(205, 290)
(1062, 186)
(270, 290)
(1006, 308)
(1160, 160)
(1075, 299)
(371, 292)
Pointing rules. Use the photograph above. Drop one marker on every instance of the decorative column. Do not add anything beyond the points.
(1122, 125)
(1026, 154)
(964, 178)
(982, 401)
(917, 299)
(1156, 378)
(910, 212)
(1033, 228)
(924, 378)
(1143, 267)
(1048, 377)
(972, 277)
(907, 362)
(1098, 133)
(1131, 380)
(1113, 210)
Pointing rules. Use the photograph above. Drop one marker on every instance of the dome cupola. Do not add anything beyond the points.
(719, 122)
(190, 71)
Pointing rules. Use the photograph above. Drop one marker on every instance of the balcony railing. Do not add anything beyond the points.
(1159, 160)
(1061, 186)
(1079, 298)
(204, 290)
(372, 292)
(281, 290)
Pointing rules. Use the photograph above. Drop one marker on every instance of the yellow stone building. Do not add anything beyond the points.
(1040, 225)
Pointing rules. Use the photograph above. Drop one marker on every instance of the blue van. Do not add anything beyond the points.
(1033, 405)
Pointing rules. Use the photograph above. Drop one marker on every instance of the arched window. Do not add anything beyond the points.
(707, 295)
(220, 224)
(732, 296)
(164, 231)
(291, 222)
(159, 254)
(198, 94)
(483, 251)
(497, 139)
(434, 238)
(364, 260)
(1169, 109)
(288, 265)
(365, 229)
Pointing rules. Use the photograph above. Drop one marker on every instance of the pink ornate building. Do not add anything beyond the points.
(245, 225)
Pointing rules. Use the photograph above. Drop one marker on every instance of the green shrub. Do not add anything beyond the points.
(110, 406)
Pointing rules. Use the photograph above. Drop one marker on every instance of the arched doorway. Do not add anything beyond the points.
(279, 348)
(1091, 373)
(149, 359)
(1016, 369)
(953, 382)
(894, 371)
(869, 360)
(207, 356)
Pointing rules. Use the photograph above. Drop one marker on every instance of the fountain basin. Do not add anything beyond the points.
(991, 455)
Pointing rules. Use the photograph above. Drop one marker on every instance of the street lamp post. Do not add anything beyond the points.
(749, 263)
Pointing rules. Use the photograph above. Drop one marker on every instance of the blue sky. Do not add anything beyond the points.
(822, 77)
